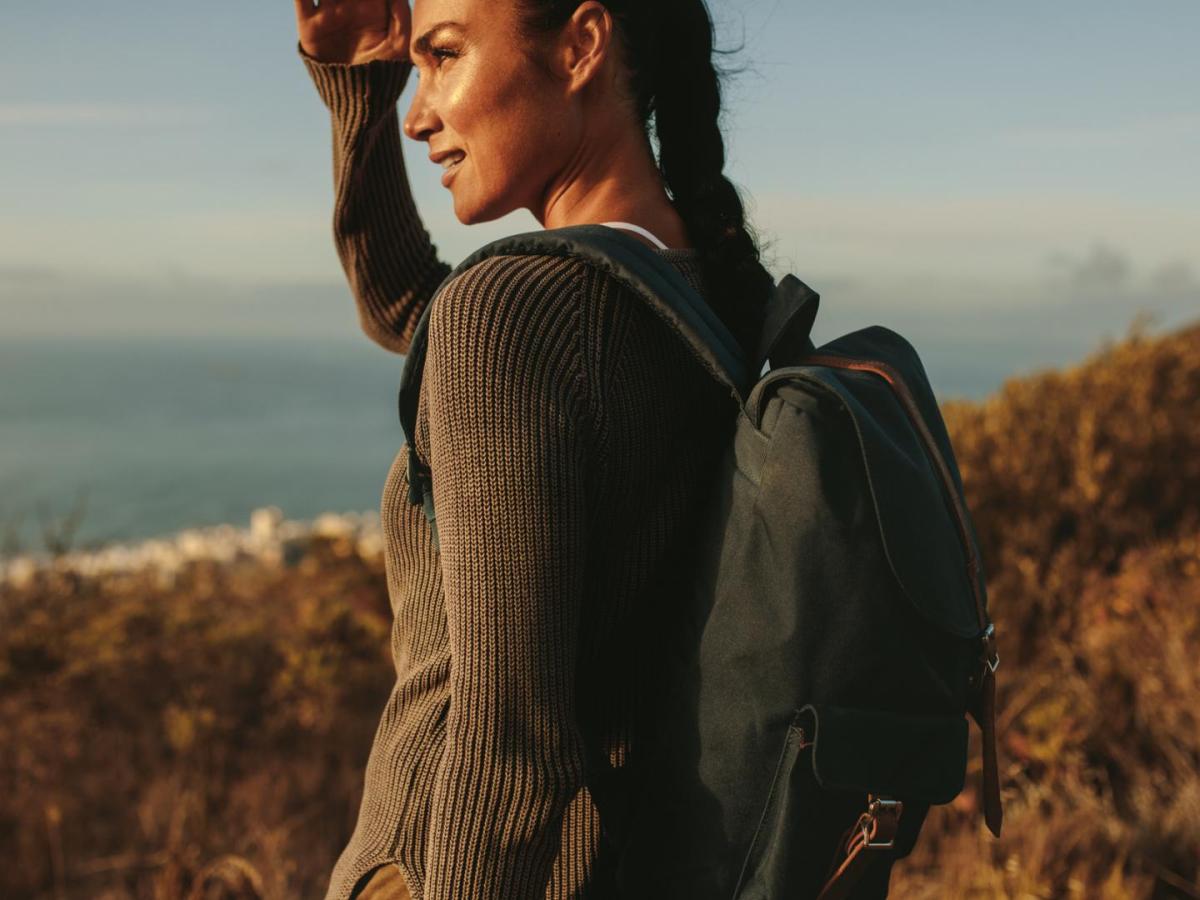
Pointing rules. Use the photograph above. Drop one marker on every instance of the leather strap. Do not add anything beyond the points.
(875, 830)
(989, 785)
(984, 714)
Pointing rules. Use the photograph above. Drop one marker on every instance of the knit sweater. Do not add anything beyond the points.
(570, 436)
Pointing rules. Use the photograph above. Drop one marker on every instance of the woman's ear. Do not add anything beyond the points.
(585, 45)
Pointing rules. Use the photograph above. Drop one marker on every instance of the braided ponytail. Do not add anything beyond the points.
(687, 106)
(682, 93)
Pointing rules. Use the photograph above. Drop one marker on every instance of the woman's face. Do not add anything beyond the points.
(480, 96)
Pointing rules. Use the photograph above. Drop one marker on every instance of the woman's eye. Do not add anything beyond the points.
(441, 53)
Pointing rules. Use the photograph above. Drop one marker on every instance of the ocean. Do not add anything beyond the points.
(150, 436)
(132, 438)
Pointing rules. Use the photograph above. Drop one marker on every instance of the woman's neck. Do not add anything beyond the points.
(614, 178)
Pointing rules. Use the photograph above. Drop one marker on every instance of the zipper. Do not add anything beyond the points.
(904, 395)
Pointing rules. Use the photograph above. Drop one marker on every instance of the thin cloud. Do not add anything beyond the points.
(23, 276)
(173, 302)
(1056, 312)
(1105, 272)
(1102, 268)
(984, 238)
(1176, 278)
(60, 114)
(1130, 134)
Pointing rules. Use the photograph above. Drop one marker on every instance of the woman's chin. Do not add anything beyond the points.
(474, 213)
(465, 212)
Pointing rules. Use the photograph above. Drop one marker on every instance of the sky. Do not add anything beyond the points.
(1016, 178)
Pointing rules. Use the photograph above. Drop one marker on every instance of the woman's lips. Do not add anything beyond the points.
(448, 175)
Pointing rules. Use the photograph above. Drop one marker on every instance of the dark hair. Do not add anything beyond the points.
(681, 90)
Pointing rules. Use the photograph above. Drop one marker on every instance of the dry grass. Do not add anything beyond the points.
(1085, 488)
(202, 741)
(208, 740)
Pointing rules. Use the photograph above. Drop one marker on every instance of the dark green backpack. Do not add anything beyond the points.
(836, 635)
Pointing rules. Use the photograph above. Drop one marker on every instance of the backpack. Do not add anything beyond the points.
(837, 633)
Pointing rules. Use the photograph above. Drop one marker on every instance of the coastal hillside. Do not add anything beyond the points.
(1084, 485)
(190, 718)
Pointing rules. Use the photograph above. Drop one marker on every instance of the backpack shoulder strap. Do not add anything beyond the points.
(632, 263)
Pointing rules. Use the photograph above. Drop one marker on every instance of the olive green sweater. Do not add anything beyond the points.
(570, 435)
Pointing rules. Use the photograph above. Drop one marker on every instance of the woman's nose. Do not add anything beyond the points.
(419, 121)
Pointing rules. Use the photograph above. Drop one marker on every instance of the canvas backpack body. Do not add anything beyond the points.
(836, 634)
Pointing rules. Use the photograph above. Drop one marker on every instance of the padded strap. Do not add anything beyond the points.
(632, 263)
(648, 274)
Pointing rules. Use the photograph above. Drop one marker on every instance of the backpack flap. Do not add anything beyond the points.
(909, 757)
(877, 377)
(916, 490)
(916, 487)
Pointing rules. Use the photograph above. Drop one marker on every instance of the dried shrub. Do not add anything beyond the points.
(207, 740)
(1085, 488)
(204, 740)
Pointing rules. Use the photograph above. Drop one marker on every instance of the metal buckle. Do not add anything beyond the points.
(991, 656)
(870, 822)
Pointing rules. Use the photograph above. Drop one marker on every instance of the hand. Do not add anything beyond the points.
(354, 31)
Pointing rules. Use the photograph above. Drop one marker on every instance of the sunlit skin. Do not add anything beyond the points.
(560, 139)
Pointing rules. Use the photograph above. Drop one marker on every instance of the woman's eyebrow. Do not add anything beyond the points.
(421, 44)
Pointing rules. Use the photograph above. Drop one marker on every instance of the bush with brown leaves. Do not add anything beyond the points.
(208, 740)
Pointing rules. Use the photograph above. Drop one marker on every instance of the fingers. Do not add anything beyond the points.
(401, 12)
(401, 23)
(306, 9)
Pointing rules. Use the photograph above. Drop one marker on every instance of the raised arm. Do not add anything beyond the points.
(356, 52)
(509, 445)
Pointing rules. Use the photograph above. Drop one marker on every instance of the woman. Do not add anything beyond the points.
(569, 433)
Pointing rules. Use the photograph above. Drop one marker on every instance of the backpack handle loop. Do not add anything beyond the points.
(788, 322)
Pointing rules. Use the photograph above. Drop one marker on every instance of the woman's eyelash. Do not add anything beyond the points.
(442, 53)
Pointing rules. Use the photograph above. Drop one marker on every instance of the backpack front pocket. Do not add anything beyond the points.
(800, 829)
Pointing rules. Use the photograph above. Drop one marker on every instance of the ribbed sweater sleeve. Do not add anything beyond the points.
(509, 445)
(391, 264)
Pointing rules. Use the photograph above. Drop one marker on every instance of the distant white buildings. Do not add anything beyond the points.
(271, 540)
